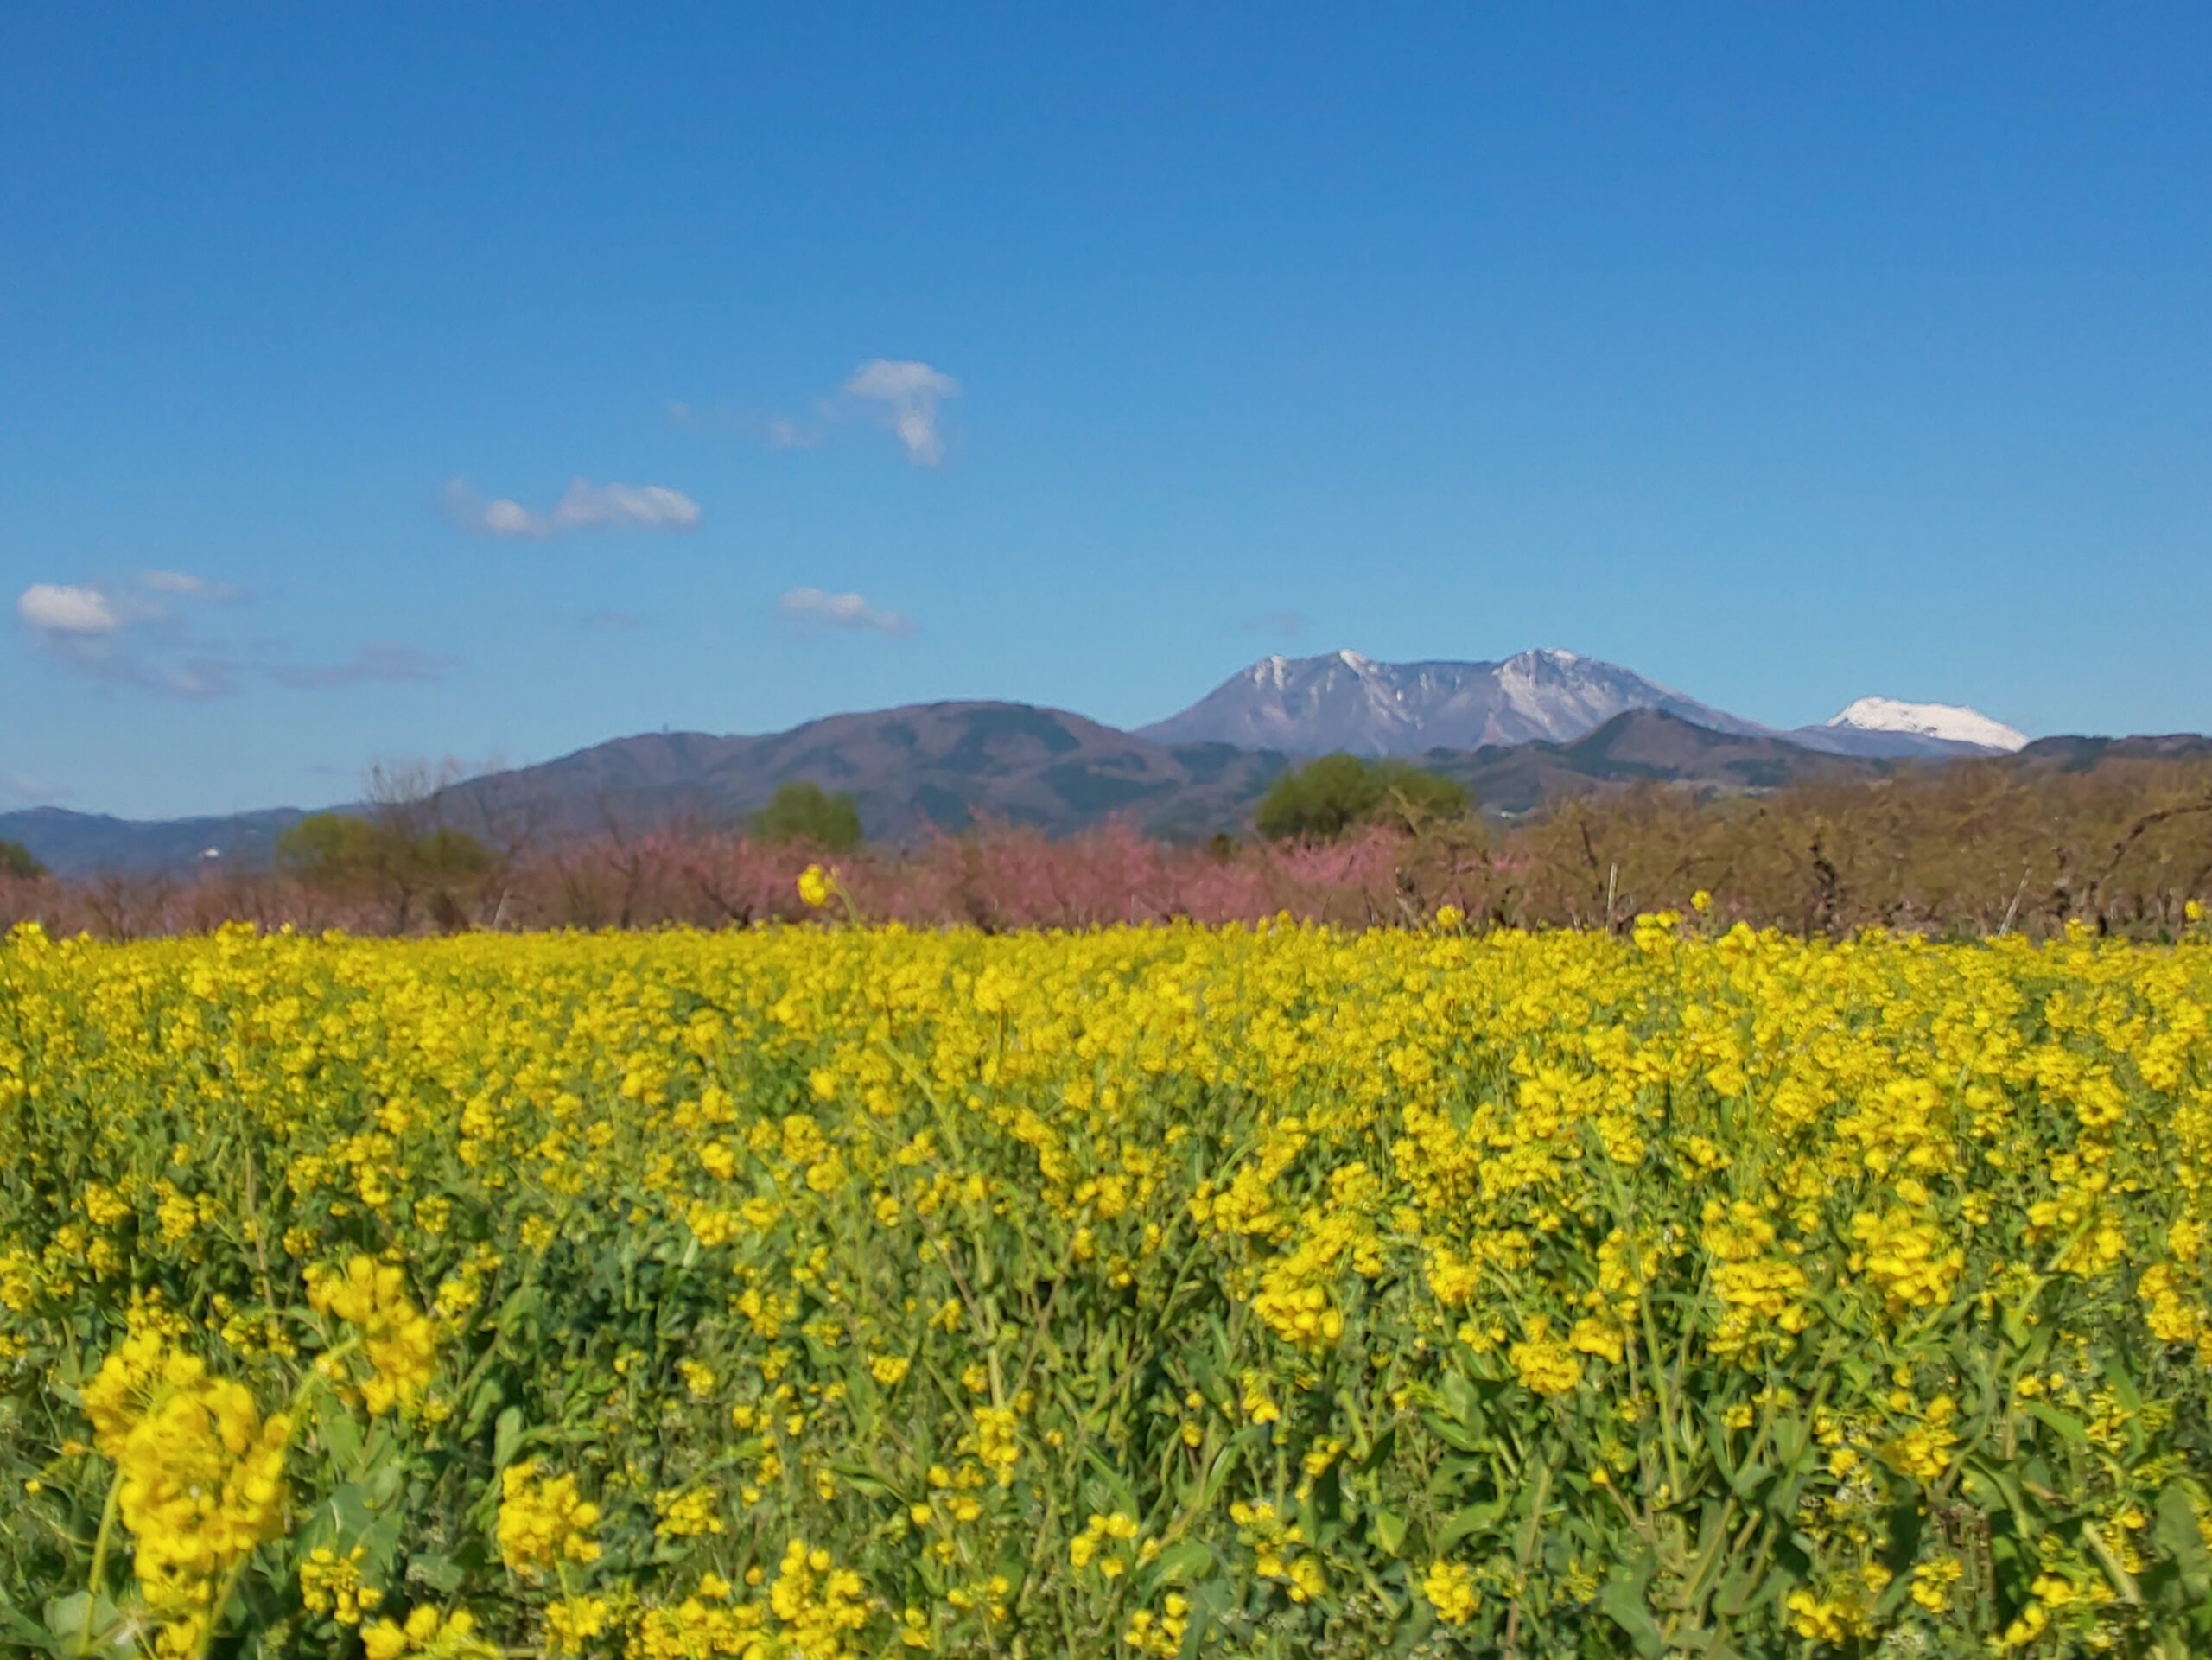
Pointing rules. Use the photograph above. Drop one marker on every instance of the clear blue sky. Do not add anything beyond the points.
(1784, 354)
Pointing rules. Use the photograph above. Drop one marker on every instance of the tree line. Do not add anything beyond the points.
(1975, 847)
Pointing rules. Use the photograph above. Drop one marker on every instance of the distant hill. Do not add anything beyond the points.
(74, 843)
(910, 770)
(1518, 732)
(2080, 755)
(1643, 746)
(943, 766)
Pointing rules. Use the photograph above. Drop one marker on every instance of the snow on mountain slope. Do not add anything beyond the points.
(1943, 723)
(1345, 701)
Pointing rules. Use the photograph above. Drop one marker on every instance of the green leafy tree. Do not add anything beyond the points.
(387, 858)
(800, 811)
(15, 860)
(1323, 799)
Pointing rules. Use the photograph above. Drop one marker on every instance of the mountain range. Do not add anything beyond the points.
(1518, 732)
(1345, 701)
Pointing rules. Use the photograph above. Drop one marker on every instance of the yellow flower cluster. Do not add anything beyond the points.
(1450, 1588)
(1278, 1549)
(199, 1479)
(543, 1521)
(1174, 1290)
(1543, 1364)
(1095, 1545)
(398, 1337)
(427, 1633)
(330, 1584)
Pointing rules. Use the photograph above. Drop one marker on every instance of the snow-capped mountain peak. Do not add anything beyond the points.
(1944, 723)
(1348, 701)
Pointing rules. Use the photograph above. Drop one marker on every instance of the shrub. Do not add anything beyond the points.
(802, 811)
(1324, 799)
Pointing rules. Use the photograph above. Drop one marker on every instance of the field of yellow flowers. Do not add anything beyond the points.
(814, 1293)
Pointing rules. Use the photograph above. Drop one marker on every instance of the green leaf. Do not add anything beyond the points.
(1389, 1532)
(1623, 1601)
(1184, 1564)
(1995, 1488)
(350, 1516)
(2176, 1532)
(1746, 1481)
(341, 1435)
(76, 1625)
(2068, 1426)
(1716, 1441)
(1453, 1434)
(441, 1575)
(1460, 1399)
(1475, 1518)
(481, 1405)
(506, 1438)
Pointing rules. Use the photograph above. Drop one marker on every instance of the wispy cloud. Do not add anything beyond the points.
(783, 433)
(182, 584)
(380, 662)
(21, 790)
(813, 607)
(142, 634)
(907, 396)
(1288, 623)
(610, 620)
(902, 395)
(583, 507)
(121, 633)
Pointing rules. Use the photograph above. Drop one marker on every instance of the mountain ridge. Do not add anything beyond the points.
(922, 767)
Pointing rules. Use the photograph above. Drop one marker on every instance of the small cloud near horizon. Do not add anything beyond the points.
(378, 662)
(814, 608)
(133, 634)
(606, 619)
(21, 789)
(1291, 623)
(583, 505)
(184, 585)
(125, 634)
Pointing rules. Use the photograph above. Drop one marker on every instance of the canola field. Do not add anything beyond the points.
(817, 1292)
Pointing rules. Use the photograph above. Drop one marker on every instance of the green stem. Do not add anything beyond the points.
(98, 1582)
(222, 1601)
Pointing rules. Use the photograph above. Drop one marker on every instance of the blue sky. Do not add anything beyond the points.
(484, 382)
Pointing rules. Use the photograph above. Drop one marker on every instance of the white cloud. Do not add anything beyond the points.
(584, 505)
(783, 434)
(909, 394)
(818, 609)
(380, 662)
(22, 789)
(904, 396)
(56, 608)
(185, 586)
(123, 634)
